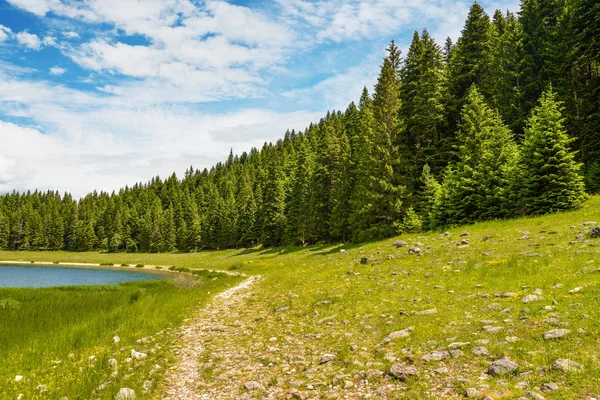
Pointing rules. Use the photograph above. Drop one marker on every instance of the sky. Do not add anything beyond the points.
(99, 94)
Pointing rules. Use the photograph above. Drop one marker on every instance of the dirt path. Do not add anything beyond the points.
(185, 380)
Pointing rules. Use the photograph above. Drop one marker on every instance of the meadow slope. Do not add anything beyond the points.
(317, 323)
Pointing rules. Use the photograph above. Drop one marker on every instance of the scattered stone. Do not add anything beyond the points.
(325, 358)
(125, 394)
(492, 329)
(426, 312)
(464, 242)
(577, 289)
(481, 351)
(530, 298)
(116, 339)
(137, 355)
(566, 365)
(458, 345)
(18, 378)
(534, 395)
(472, 392)
(414, 250)
(440, 371)
(402, 371)
(508, 294)
(556, 333)
(398, 334)
(42, 388)
(502, 366)
(456, 353)
(436, 356)
(252, 386)
(399, 243)
(113, 363)
(464, 233)
(348, 385)
(549, 387)
(343, 251)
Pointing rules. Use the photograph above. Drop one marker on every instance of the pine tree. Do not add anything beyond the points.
(300, 229)
(247, 210)
(4, 231)
(429, 195)
(273, 205)
(549, 176)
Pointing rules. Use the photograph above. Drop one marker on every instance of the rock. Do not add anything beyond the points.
(414, 250)
(436, 356)
(502, 366)
(42, 388)
(18, 378)
(492, 329)
(464, 242)
(566, 365)
(472, 392)
(508, 294)
(440, 371)
(253, 385)
(125, 394)
(426, 312)
(325, 358)
(458, 345)
(530, 298)
(456, 353)
(481, 351)
(595, 232)
(534, 395)
(399, 243)
(549, 387)
(402, 371)
(113, 363)
(577, 289)
(137, 355)
(556, 333)
(116, 339)
(464, 233)
(343, 251)
(348, 385)
(398, 334)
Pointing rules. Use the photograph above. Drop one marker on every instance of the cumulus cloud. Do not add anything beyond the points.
(57, 71)
(4, 33)
(29, 40)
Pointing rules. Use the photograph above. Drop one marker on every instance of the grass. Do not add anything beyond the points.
(48, 335)
(338, 305)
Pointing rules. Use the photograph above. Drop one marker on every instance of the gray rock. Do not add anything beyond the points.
(436, 356)
(472, 392)
(502, 366)
(402, 371)
(530, 298)
(125, 394)
(42, 388)
(325, 358)
(398, 334)
(399, 243)
(427, 312)
(458, 345)
(534, 395)
(253, 385)
(414, 250)
(556, 333)
(464, 233)
(481, 351)
(577, 289)
(549, 387)
(566, 365)
(464, 242)
(137, 355)
(492, 329)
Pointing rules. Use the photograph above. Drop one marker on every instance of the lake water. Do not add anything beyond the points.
(45, 276)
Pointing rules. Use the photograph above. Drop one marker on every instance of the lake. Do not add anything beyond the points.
(24, 276)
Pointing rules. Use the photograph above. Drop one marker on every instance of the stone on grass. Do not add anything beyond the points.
(253, 385)
(426, 312)
(325, 358)
(113, 363)
(549, 387)
(42, 388)
(472, 392)
(116, 339)
(595, 233)
(577, 289)
(18, 378)
(458, 345)
(534, 395)
(414, 250)
(399, 243)
(436, 356)
(464, 233)
(402, 371)
(566, 365)
(530, 298)
(481, 351)
(125, 394)
(364, 260)
(502, 366)
(556, 333)
(398, 334)
(136, 355)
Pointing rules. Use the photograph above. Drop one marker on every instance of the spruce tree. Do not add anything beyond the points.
(273, 205)
(549, 175)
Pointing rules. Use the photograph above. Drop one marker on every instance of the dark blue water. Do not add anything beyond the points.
(41, 276)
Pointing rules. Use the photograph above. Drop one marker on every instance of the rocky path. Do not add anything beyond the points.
(186, 380)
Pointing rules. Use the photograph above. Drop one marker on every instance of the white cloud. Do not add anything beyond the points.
(71, 35)
(4, 33)
(57, 71)
(29, 40)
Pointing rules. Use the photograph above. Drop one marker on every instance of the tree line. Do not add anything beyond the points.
(502, 123)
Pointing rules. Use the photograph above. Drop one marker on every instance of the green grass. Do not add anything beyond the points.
(367, 302)
(47, 335)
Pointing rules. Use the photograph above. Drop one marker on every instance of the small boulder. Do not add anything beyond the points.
(464, 233)
(556, 333)
(402, 371)
(502, 366)
(364, 260)
(472, 392)
(137, 355)
(253, 385)
(595, 233)
(125, 394)
(481, 351)
(116, 339)
(534, 395)
(436, 356)
(414, 250)
(325, 358)
(399, 243)
(530, 298)
(398, 334)
(565, 365)
(549, 387)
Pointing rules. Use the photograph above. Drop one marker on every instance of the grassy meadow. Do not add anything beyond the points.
(323, 299)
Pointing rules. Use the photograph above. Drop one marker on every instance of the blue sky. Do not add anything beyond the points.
(97, 94)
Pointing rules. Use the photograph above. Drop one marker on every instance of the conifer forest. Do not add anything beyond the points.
(503, 123)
